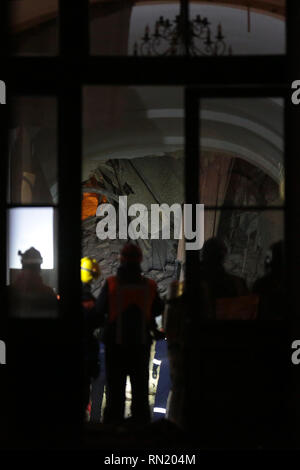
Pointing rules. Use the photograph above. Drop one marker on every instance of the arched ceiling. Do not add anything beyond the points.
(152, 118)
(134, 122)
(149, 121)
(26, 14)
(276, 7)
(265, 37)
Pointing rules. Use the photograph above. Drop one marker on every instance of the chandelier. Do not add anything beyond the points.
(168, 39)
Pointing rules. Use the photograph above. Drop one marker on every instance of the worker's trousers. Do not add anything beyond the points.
(120, 362)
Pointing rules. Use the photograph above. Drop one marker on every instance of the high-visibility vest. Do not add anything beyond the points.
(237, 308)
(123, 297)
(88, 304)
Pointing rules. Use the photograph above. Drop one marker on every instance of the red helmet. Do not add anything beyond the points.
(131, 253)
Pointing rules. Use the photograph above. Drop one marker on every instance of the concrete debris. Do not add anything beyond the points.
(248, 234)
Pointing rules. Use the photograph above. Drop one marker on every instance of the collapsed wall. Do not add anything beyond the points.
(142, 182)
(150, 180)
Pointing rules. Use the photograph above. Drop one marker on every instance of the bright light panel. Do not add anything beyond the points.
(30, 227)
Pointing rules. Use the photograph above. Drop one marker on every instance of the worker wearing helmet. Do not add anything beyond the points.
(127, 306)
(30, 297)
(89, 271)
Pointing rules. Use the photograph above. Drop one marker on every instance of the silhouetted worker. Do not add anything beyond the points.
(89, 270)
(223, 288)
(29, 296)
(221, 283)
(128, 304)
(271, 287)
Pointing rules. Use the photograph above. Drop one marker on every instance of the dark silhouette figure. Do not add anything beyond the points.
(127, 306)
(89, 270)
(29, 296)
(221, 283)
(218, 285)
(271, 287)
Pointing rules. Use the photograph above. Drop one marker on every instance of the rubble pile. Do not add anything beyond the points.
(159, 257)
(141, 182)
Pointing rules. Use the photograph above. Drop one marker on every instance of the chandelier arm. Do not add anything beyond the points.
(168, 39)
